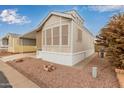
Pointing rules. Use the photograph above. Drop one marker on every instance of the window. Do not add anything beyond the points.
(56, 36)
(48, 37)
(5, 41)
(28, 42)
(43, 37)
(79, 37)
(64, 34)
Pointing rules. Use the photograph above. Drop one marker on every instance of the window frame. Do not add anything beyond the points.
(47, 37)
(67, 35)
(60, 33)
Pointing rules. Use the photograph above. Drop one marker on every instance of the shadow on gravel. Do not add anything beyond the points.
(4, 83)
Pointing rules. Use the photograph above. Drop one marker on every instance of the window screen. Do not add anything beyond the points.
(43, 37)
(28, 42)
(64, 34)
(5, 41)
(48, 37)
(56, 36)
(79, 37)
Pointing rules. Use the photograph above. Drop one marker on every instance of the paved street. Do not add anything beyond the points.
(14, 78)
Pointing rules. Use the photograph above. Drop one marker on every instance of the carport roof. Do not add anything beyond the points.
(10, 34)
(29, 35)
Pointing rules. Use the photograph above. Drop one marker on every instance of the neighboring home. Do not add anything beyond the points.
(18, 44)
(62, 38)
(3, 44)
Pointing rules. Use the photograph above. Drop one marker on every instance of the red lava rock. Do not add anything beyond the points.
(49, 68)
(19, 60)
(5, 53)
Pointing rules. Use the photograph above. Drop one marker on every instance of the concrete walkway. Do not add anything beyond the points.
(16, 79)
(17, 56)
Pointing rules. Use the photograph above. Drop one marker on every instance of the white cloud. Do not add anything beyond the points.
(11, 16)
(107, 8)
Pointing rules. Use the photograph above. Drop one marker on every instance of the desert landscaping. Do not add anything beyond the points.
(65, 76)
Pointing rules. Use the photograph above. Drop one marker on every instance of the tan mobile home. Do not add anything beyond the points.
(3, 44)
(17, 44)
(62, 38)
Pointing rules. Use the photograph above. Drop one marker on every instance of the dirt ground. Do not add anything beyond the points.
(4, 53)
(65, 76)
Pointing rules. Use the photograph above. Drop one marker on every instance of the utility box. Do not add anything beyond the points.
(94, 72)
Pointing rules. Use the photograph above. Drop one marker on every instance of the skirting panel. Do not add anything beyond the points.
(64, 58)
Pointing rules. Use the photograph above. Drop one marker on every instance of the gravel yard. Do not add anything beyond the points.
(64, 76)
(4, 53)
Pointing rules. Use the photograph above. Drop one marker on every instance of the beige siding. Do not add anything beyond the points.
(13, 41)
(63, 49)
(39, 39)
(86, 42)
(77, 46)
(54, 21)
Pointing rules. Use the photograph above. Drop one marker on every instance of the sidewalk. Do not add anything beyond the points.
(17, 56)
(16, 79)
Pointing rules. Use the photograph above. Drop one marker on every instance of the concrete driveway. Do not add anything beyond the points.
(17, 56)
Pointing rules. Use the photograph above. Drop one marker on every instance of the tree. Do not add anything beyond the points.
(112, 38)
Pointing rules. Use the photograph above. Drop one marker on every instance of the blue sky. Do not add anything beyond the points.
(22, 19)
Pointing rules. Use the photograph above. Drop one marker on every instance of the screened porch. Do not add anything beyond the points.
(57, 38)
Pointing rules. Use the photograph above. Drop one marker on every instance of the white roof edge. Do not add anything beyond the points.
(76, 13)
(27, 33)
(12, 34)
